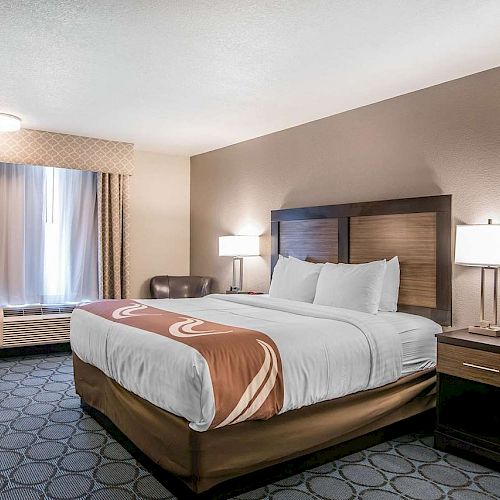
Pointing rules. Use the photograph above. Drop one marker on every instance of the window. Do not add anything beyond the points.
(48, 235)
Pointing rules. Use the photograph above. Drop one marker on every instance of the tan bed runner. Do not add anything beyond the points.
(245, 365)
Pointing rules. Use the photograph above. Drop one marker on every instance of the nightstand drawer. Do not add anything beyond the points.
(472, 364)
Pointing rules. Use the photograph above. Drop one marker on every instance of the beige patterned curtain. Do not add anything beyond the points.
(113, 220)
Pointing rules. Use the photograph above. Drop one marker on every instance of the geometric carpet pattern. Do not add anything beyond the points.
(51, 449)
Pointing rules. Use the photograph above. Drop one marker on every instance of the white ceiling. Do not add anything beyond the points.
(188, 76)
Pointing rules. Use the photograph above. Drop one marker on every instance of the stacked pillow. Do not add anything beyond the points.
(294, 279)
(351, 286)
(369, 287)
(390, 289)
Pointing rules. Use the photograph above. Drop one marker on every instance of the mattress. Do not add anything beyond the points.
(418, 341)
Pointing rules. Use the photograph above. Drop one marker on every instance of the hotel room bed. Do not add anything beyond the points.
(338, 374)
(324, 352)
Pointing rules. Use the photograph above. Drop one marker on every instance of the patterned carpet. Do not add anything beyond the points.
(50, 449)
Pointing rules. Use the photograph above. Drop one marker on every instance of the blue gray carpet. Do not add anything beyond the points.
(50, 449)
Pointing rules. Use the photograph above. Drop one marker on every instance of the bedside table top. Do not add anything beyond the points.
(472, 340)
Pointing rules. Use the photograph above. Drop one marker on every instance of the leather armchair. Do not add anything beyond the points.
(179, 287)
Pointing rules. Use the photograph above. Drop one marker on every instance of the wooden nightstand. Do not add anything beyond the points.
(468, 420)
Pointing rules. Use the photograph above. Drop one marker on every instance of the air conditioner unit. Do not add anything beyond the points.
(34, 325)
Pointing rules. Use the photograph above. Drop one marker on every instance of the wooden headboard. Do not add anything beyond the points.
(417, 230)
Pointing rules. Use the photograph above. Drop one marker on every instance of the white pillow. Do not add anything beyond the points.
(390, 288)
(294, 279)
(351, 286)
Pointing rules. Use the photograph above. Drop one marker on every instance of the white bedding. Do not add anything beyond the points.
(326, 352)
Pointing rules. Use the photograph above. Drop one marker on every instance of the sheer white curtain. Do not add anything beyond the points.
(70, 271)
(21, 233)
(48, 246)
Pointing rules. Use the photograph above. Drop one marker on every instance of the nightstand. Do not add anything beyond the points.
(468, 420)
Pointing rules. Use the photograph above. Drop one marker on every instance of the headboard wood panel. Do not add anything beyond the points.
(314, 240)
(418, 230)
(412, 237)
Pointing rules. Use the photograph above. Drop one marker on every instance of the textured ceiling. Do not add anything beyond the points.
(188, 76)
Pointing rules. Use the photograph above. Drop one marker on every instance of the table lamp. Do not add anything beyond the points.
(478, 245)
(238, 247)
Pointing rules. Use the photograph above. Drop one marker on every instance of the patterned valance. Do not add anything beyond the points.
(35, 147)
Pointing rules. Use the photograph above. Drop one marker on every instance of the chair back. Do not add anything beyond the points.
(179, 287)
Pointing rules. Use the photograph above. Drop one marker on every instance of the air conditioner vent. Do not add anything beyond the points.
(35, 325)
(58, 309)
(38, 310)
(22, 311)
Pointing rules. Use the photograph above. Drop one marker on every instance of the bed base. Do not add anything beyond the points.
(204, 460)
(422, 422)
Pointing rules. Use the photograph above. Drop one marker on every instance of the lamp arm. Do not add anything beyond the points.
(481, 317)
(237, 286)
(495, 295)
(241, 274)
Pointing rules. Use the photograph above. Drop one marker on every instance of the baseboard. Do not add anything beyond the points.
(8, 352)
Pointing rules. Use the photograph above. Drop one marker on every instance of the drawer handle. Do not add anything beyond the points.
(481, 367)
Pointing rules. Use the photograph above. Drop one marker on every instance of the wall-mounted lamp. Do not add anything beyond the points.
(238, 247)
(9, 123)
(478, 245)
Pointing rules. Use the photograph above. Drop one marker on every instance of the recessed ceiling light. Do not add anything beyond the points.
(9, 123)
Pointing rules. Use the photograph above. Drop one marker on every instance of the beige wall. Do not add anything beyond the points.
(441, 140)
(159, 209)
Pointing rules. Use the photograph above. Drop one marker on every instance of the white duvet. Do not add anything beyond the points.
(326, 352)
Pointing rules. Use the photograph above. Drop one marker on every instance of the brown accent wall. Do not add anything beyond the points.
(440, 140)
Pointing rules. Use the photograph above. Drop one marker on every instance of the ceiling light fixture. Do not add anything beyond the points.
(9, 123)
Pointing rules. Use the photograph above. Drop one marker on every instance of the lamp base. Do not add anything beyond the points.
(490, 331)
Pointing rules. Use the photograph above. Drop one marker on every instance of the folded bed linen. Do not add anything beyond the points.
(417, 335)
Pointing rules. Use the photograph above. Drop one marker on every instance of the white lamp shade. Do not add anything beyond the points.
(478, 245)
(9, 123)
(238, 246)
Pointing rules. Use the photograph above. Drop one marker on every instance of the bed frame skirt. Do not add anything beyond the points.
(204, 459)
